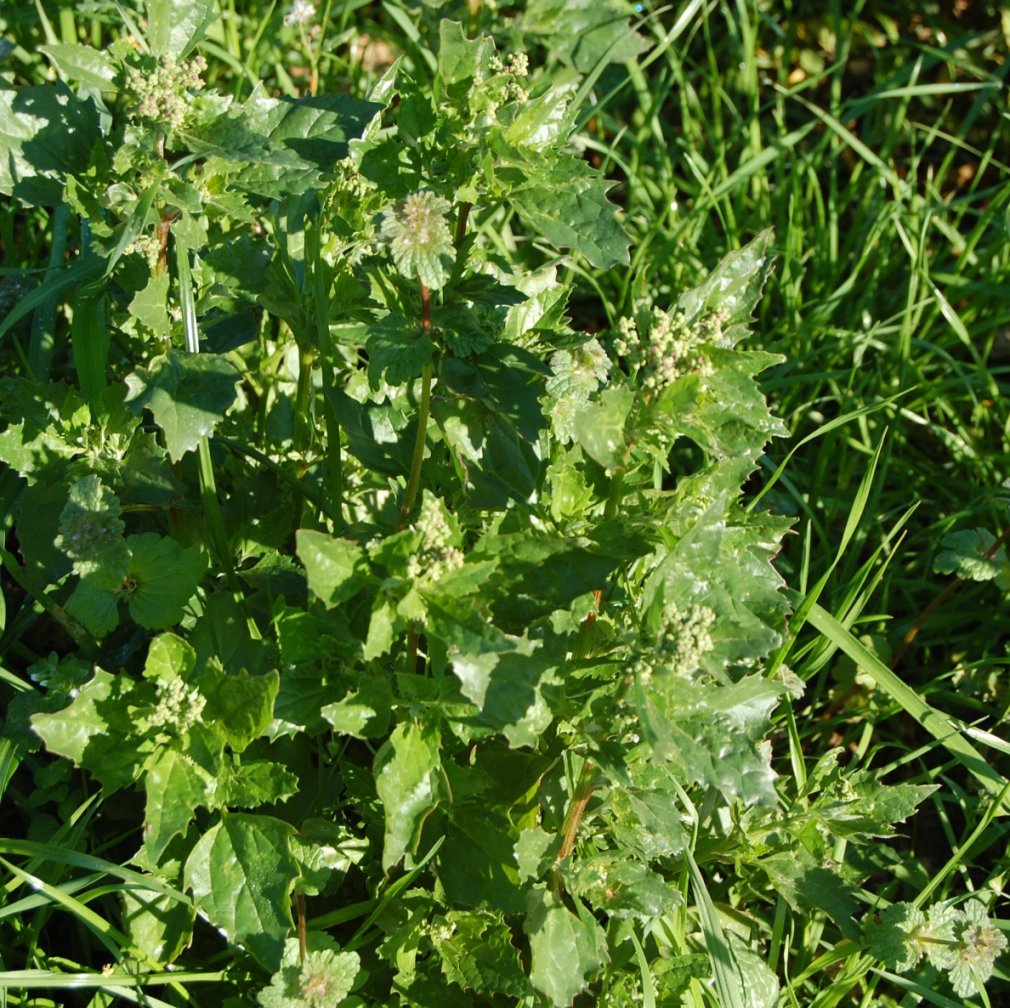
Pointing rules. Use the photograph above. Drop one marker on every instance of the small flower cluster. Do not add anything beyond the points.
(301, 12)
(91, 531)
(419, 237)
(161, 94)
(515, 68)
(670, 348)
(179, 706)
(438, 556)
(147, 246)
(683, 640)
(962, 941)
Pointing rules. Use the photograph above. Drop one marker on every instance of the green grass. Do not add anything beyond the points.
(874, 142)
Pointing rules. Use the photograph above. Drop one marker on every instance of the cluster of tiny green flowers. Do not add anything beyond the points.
(683, 640)
(86, 533)
(179, 706)
(670, 348)
(516, 67)
(147, 246)
(90, 529)
(161, 94)
(419, 236)
(962, 941)
(437, 556)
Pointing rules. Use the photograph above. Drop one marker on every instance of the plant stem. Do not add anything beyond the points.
(302, 929)
(584, 789)
(333, 481)
(303, 397)
(414, 479)
(461, 219)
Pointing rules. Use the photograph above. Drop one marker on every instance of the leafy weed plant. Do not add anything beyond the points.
(414, 645)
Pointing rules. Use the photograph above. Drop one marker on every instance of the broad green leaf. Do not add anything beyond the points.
(808, 886)
(535, 851)
(176, 787)
(409, 782)
(475, 863)
(169, 657)
(398, 350)
(567, 949)
(497, 465)
(459, 58)
(477, 953)
(506, 686)
(252, 783)
(584, 32)
(363, 713)
(174, 27)
(279, 147)
(543, 120)
(381, 627)
(734, 286)
(575, 213)
(188, 394)
(150, 306)
(601, 427)
(46, 133)
(241, 873)
(163, 578)
(158, 925)
(91, 67)
(95, 730)
(621, 887)
(336, 568)
(32, 450)
(241, 705)
(380, 435)
(95, 605)
(537, 574)
(325, 852)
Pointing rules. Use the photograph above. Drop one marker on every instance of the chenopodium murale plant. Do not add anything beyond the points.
(961, 941)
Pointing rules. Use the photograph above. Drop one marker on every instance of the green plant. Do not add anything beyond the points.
(422, 639)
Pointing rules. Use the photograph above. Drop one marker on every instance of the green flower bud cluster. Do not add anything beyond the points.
(160, 93)
(438, 556)
(514, 68)
(147, 246)
(962, 941)
(683, 640)
(670, 347)
(91, 531)
(179, 706)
